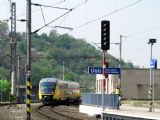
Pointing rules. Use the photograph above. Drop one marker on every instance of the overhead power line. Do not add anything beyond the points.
(55, 3)
(52, 26)
(115, 11)
(63, 20)
(68, 28)
(69, 10)
(43, 15)
(36, 4)
(51, 22)
(144, 31)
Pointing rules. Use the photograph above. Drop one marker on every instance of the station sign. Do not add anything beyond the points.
(152, 63)
(98, 70)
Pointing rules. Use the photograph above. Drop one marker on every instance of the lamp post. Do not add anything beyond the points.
(151, 88)
(120, 58)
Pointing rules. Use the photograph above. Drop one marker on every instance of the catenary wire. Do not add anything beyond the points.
(59, 17)
(36, 4)
(43, 15)
(84, 2)
(63, 19)
(55, 3)
(144, 31)
(51, 22)
(115, 11)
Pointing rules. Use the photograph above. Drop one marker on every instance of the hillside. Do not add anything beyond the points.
(53, 55)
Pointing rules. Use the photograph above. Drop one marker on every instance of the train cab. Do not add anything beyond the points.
(46, 89)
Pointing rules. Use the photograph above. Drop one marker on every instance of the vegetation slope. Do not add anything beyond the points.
(53, 55)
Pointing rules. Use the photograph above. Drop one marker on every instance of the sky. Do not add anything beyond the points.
(138, 20)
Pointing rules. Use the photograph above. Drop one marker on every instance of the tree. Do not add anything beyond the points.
(4, 73)
(53, 36)
(70, 76)
(41, 69)
(4, 88)
(3, 30)
(44, 36)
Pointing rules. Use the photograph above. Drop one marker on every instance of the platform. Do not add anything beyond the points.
(124, 112)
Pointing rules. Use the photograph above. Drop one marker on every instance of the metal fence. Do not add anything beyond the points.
(110, 100)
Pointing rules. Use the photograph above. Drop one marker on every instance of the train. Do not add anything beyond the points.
(55, 91)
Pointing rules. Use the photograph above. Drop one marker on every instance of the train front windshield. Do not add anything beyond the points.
(47, 87)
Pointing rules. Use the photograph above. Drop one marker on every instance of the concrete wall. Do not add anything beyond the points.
(135, 83)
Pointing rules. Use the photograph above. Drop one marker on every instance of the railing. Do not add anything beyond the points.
(110, 100)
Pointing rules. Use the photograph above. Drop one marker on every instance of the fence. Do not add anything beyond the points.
(110, 100)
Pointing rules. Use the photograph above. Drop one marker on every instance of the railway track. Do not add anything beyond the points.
(64, 113)
(40, 111)
(61, 113)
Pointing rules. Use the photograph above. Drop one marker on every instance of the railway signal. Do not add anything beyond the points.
(105, 45)
(105, 35)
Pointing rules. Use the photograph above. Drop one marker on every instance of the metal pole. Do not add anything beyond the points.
(104, 79)
(63, 70)
(120, 57)
(150, 86)
(28, 73)
(13, 48)
(18, 68)
(153, 90)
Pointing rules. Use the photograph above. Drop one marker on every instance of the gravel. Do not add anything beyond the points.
(18, 112)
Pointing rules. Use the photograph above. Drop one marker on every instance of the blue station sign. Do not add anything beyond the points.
(94, 70)
(98, 70)
(152, 63)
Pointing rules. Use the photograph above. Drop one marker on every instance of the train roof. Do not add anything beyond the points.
(59, 81)
(66, 81)
(73, 83)
(48, 80)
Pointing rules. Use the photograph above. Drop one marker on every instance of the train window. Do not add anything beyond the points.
(48, 87)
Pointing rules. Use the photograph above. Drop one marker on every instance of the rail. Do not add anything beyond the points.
(55, 114)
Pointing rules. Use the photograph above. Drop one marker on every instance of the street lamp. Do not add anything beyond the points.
(120, 58)
(151, 93)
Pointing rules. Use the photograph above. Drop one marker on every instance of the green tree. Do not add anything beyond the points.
(41, 69)
(44, 37)
(53, 35)
(70, 76)
(4, 89)
(3, 30)
(4, 73)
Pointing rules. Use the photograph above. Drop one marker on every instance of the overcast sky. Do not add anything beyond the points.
(139, 20)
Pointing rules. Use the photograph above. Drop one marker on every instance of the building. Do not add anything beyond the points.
(134, 83)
